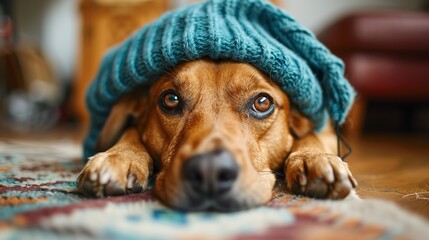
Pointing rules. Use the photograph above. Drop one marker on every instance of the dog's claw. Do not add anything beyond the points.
(341, 189)
(104, 177)
(302, 179)
(93, 176)
(133, 186)
(328, 175)
(131, 181)
(353, 181)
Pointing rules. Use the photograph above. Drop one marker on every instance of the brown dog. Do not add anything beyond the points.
(216, 132)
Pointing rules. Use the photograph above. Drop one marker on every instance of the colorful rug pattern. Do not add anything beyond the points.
(39, 200)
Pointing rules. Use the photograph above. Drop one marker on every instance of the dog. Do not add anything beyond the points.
(214, 134)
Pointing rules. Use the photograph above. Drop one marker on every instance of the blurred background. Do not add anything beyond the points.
(50, 51)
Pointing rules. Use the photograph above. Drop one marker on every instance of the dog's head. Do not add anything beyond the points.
(216, 131)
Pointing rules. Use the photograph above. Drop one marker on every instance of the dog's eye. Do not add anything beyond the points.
(262, 106)
(170, 102)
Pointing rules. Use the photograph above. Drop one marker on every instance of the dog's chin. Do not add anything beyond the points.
(225, 204)
(241, 197)
(235, 200)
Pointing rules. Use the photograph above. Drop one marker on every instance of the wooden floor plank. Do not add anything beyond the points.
(394, 168)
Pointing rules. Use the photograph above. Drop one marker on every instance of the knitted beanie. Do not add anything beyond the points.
(251, 31)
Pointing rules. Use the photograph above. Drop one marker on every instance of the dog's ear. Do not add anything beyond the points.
(122, 116)
(299, 125)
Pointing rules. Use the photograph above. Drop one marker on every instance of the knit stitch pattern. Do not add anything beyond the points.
(251, 31)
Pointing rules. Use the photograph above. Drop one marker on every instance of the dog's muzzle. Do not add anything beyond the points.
(209, 178)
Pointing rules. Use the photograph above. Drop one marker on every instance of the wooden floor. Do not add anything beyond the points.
(394, 168)
(386, 167)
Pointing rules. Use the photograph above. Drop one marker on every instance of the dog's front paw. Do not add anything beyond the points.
(110, 174)
(318, 175)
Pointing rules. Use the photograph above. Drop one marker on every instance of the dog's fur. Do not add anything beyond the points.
(215, 115)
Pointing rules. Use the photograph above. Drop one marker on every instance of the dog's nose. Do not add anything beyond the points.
(211, 174)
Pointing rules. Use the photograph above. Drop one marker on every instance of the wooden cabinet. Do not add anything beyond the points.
(105, 23)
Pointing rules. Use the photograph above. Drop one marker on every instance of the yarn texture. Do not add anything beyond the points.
(251, 31)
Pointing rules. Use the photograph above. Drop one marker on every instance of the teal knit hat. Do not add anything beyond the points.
(251, 31)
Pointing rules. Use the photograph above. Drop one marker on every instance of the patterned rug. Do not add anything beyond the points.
(39, 200)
